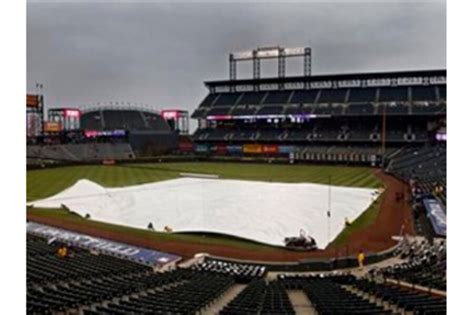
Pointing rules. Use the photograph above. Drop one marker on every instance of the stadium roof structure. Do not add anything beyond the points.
(265, 98)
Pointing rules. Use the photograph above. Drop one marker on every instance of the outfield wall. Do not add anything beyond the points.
(231, 158)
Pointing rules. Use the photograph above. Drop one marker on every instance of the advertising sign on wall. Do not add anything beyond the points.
(270, 148)
(253, 148)
(52, 126)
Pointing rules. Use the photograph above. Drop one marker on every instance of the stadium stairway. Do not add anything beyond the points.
(224, 299)
(399, 299)
(301, 303)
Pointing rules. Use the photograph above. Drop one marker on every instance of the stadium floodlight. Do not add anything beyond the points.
(268, 52)
(294, 52)
(244, 55)
(275, 52)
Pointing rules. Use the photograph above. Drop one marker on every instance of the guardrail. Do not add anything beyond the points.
(319, 264)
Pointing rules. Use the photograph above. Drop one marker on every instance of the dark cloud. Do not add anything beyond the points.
(160, 53)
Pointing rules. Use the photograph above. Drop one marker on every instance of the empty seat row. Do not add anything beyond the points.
(338, 95)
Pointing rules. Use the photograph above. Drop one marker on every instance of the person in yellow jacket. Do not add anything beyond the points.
(62, 251)
(361, 259)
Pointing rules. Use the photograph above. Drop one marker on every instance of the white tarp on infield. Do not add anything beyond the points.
(262, 211)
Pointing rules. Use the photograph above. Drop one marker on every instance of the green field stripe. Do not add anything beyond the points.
(356, 179)
(365, 219)
(47, 182)
(370, 181)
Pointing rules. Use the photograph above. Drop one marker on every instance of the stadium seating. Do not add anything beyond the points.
(260, 298)
(423, 93)
(243, 110)
(186, 297)
(210, 98)
(360, 109)
(92, 120)
(113, 120)
(425, 266)
(155, 122)
(328, 110)
(270, 134)
(126, 119)
(328, 296)
(345, 294)
(82, 152)
(242, 135)
(251, 98)
(219, 111)
(362, 95)
(100, 284)
(44, 266)
(86, 279)
(424, 168)
(393, 108)
(270, 110)
(361, 134)
(243, 273)
(226, 99)
(280, 97)
(200, 112)
(298, 110)
(442, 92)
(408, 300)
(304, 97)
(298, 135)
(426, 164)
(333, 96)
(426, 108)
(393, 94)
(320, 112)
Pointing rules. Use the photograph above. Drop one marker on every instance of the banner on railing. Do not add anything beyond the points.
(234, 149)
(252, 148)
(138, 254)
(286, 149)
(270, 148)
(201, 148)
(437, 215)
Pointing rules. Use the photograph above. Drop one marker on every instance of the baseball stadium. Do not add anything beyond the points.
(307, 194)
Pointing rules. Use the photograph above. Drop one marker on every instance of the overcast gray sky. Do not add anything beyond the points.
(160, 53)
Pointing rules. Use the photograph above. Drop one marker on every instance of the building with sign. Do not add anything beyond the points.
(34, 115)
(178, 120)
(66, 119)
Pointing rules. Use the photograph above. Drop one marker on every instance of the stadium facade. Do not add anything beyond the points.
(368, 115)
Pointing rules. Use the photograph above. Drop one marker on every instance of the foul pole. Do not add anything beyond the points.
(329, 210)
(384, 130)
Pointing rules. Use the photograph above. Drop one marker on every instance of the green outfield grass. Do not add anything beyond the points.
(365, 219)
(46, 182)
(158, 236)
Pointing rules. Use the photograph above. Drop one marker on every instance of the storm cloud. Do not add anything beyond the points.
(160, 53)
